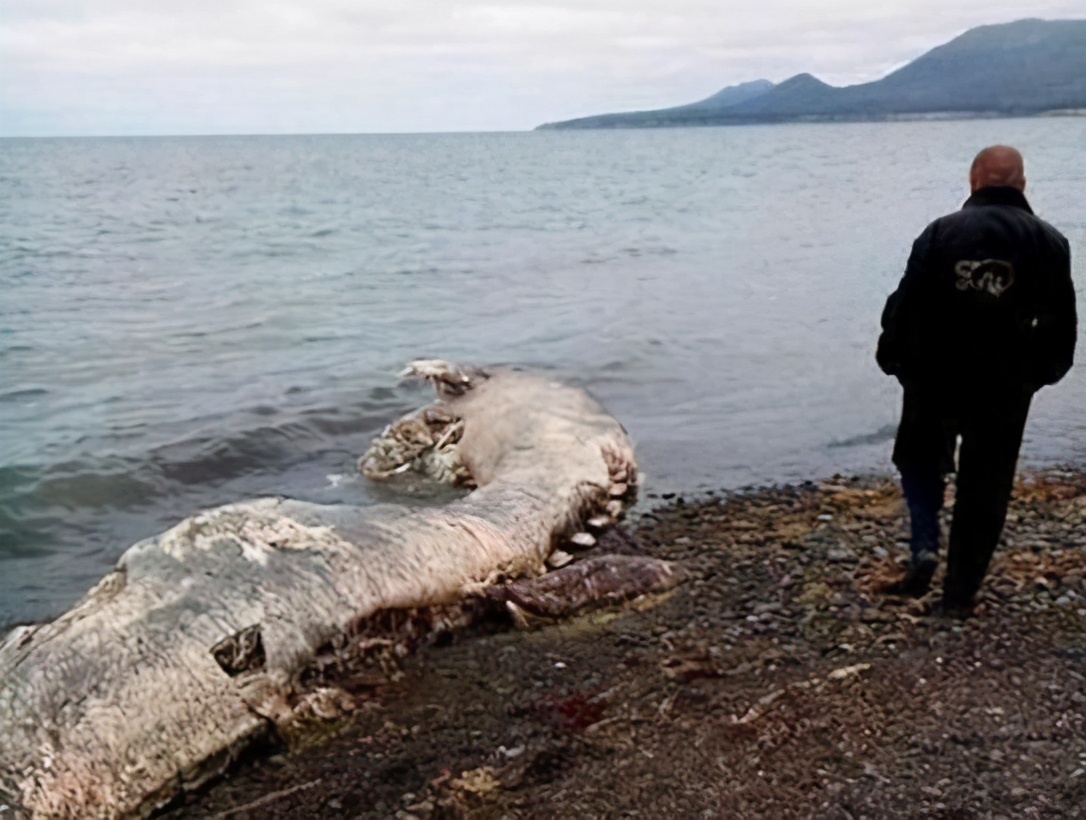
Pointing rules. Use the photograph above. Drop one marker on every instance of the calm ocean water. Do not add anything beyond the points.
(187, 322)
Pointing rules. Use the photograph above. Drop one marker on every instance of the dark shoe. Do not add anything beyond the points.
(953, 608)
(917, 578)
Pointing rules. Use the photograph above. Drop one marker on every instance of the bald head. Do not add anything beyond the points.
(998, 165)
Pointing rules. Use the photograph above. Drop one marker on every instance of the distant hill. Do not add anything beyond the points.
(1021, 68)
(679, 115)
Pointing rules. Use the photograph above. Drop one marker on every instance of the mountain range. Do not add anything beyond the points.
(1023, 68)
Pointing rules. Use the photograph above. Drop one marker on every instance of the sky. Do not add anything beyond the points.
(124, 67)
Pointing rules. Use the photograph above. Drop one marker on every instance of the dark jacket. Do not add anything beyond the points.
(986, 301)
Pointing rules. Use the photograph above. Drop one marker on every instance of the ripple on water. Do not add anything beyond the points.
(23, 394)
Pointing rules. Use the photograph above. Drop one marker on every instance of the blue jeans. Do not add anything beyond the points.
(990, 424)
(924, 496)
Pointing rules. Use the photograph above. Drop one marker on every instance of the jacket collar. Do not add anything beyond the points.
(998, 195)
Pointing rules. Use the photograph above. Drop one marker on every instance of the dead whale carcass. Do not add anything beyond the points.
(192, 645)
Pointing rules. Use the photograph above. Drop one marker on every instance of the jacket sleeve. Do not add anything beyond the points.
(901, 317)
(1053, 329)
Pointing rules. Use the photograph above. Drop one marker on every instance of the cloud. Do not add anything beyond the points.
(122, 66)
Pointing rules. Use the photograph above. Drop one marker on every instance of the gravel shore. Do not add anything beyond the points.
(776, 681)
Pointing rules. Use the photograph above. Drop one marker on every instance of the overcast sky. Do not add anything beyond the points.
(71, 67)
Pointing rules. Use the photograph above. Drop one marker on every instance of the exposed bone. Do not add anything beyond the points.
(424, 441)
(558, 558)
(583, 540)
(325, 703)
(438, 415)
(448, 379)
(121, 703)
(454, 429)
(521, 619)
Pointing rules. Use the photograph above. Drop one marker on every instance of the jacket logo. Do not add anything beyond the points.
(991, 275)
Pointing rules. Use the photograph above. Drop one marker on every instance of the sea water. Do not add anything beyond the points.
(186, 322)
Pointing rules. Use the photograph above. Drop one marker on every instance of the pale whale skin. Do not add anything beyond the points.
(187, 650)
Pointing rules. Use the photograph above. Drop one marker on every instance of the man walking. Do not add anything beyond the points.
(983, 317)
